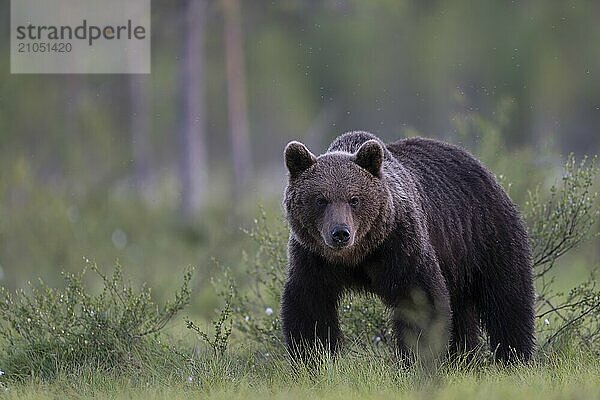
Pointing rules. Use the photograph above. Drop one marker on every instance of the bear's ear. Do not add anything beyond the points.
(370, 157)
(298, 158)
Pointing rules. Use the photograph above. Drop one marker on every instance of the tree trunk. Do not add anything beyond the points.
(192, 157)
(140, 132)
(236, 97)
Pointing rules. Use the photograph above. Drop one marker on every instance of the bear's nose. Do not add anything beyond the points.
(340, 234)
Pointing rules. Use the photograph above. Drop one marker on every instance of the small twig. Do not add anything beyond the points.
(554, 309)
(571, 322)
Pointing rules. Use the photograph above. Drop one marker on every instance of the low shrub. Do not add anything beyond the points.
(47, 331)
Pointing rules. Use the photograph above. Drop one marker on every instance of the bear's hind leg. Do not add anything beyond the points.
(465, 331)
(508, 313)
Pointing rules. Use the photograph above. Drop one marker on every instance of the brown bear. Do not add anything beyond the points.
(421, 224)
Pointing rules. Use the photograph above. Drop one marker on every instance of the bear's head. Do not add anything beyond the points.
(333, 201)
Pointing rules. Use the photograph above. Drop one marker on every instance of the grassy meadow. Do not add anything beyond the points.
(241, 375)
(154, 305)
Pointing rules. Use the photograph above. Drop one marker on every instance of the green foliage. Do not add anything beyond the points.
(575, 320)
(559, 224)
(46, 331)
(222, 330)
(46, 229)
(565, 220)
(365, 319)
(256, 312)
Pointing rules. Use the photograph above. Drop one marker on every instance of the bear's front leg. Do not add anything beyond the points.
(309, 307)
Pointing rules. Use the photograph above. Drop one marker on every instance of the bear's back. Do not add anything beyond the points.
(467, 211)
(447, 173)
(422, 154)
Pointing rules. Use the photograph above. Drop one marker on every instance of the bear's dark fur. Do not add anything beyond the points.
(421, 224)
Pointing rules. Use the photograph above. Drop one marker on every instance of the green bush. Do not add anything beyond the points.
(558, 225)
(46, 331)
(222, 326)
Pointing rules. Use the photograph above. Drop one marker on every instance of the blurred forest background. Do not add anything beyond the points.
(161, 171)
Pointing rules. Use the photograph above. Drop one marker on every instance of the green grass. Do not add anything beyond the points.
(245, 375)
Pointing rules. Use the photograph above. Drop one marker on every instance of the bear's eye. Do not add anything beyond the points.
(354, 201)
(321, 201)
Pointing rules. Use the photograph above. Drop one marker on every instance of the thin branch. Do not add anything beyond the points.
(570, 323)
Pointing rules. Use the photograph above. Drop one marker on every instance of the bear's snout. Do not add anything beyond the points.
(338, 228)
(340, 235)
